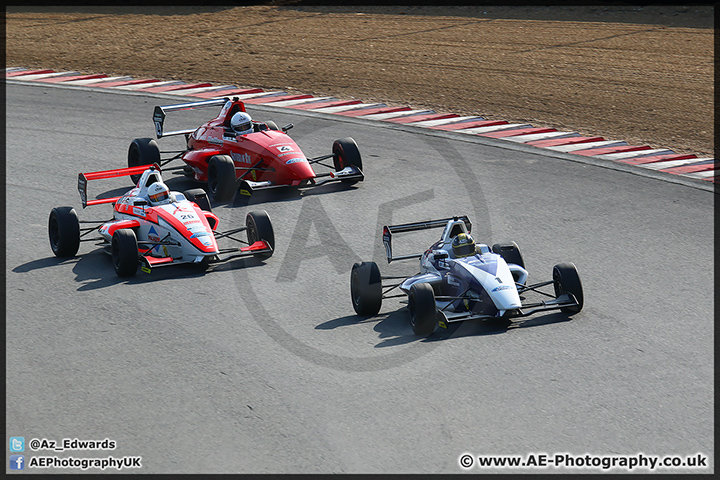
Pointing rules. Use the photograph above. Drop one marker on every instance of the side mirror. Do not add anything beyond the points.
(440, 255)
(287, 127)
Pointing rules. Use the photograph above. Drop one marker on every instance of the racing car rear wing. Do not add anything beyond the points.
(388, 231)
(161, 110)
(119, 172)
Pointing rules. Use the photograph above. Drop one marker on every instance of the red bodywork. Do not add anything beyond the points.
(264, 155)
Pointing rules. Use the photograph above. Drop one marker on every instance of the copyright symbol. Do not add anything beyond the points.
(34, 444)
(466, 461)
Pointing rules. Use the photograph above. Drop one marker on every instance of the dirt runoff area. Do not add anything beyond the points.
(639, 74)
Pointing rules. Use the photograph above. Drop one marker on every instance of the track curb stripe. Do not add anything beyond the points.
(658, 159)
(70, 78)
(122, 83)
(517, 132)
(227, 92)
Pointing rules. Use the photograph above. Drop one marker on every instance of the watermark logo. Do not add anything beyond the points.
(17, 462)
(300, 297)
(17, 444)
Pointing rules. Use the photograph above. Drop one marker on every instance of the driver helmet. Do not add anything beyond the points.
(241, 123)
(463, 245)
(158, 193)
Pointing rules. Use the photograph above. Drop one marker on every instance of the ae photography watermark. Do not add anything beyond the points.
(588, 462)
(323, 237)
(33, 455)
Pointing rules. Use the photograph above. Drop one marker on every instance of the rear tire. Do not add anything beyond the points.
(221, 177)
(198, 196)
(345, 154)
(366, 288)
(124, 251)
(64, 231)
(142, 151)
(259, 227)
(423, 311)
(567, 280)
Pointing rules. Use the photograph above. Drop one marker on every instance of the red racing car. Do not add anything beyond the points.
(232, 152)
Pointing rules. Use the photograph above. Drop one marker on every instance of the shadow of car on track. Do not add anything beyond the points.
(40, 264)
(184, 271)
(472, 328)
(94, 269)
(394, 327)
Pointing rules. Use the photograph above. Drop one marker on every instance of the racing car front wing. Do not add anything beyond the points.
(562, 301)
(147, 262)
(247, 187)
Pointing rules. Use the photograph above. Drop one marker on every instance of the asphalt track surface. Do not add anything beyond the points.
(262, 367)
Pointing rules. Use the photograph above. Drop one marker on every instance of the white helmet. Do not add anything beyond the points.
(158, 193)
(241, 122)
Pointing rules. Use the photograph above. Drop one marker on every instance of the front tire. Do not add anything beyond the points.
(221, 177)
(366, 288)
(423, 311)
(567, 280)
(64, 231)
(124, 251)
(259, 227)
(142, 151)
(345, 154)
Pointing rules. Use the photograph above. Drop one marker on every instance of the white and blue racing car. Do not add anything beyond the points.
(461, 280)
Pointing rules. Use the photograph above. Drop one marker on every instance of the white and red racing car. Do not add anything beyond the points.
(153, 226)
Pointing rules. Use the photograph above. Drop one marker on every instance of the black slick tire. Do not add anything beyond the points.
(124, 249)
(366, 288)
(423, 311)
(346, 153)
(221, 177)
(64, 231)
(259, 227)
(142, 151)
(567, 280)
